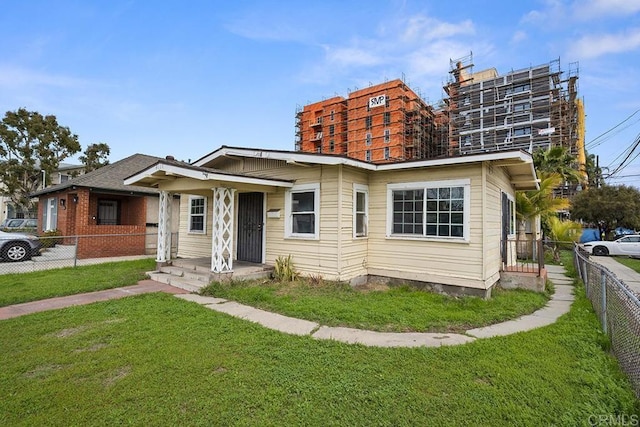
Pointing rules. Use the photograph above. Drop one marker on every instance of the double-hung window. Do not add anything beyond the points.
(360, 210)
(302, 210)
(437, 209)
(197, 214)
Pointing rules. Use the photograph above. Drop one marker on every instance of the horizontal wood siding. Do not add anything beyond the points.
(192, 245)
(354, 250)
(433, 261)
(497, 182)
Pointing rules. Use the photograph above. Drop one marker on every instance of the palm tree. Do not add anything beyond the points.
(558, 160)
(561, 234)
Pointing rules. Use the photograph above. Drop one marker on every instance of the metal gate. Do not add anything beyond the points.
(250, 226)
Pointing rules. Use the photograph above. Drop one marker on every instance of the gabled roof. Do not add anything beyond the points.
(518, 163)
(109, 178)
(170, 169)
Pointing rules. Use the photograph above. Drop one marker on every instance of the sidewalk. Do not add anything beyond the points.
(559, 304)
(622, 272)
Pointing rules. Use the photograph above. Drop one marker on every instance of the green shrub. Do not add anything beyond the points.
(284, 270)
(50, 238)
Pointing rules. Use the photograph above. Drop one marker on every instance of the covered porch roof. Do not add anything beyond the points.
(175, 176)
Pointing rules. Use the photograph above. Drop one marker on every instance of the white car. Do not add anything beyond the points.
(627, 245)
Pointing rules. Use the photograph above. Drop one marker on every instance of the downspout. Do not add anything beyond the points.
(339, 223)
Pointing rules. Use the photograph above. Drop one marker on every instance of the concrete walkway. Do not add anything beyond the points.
(622, 272)
(143, 287)
(559, 304)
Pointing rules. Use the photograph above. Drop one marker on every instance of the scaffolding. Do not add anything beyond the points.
(526, 109)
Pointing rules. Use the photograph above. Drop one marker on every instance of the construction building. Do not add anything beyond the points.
(527, 109)
(384, 123)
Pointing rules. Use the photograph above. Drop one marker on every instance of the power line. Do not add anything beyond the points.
(594, 142)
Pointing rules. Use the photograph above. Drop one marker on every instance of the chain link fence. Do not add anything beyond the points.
(618, 310)
(23, 255)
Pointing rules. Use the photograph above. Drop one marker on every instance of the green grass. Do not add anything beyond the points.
(157, 360)
(25, 287)
(632, 263)
(396, 309)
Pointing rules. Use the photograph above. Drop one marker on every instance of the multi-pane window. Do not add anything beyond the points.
(331, 115)
(386, 153)
(521, 108)
(387, 117)
(332, 145)
(387, 135)
(368, 121)
(438, 209)
(302, 208)
(522, 131)
(360, 210)
(197, 214)
(367, 155)
(331, 129)
(368, 138)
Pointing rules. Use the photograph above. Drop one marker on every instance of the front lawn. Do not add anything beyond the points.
(398, 309)
(37, 285)
(158, 360)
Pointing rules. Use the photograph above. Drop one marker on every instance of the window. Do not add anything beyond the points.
(332, 145)
(387, 135)
(360, 210)
(368, 122)
(386, 153)
(302, 210)
(367, 155)
(50, 214)
(368, 138)
(522, 131)
(108, 212)
(331, 129)
(510, 214)
(521, 108)
(331, 115)
(197, 214)
(387, 117)
(437, 209)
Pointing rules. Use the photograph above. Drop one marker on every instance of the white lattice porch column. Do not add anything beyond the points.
(164, 227)
(222, 241)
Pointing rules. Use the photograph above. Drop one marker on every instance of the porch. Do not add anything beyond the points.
(193, 274)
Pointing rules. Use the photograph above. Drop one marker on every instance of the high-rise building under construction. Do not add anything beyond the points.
(527, 109)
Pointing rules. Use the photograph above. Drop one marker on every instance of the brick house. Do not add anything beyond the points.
(104, 216)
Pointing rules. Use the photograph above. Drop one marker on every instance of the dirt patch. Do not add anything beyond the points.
(117, 375)
(43, 371)
(94, 347)
(70, 331)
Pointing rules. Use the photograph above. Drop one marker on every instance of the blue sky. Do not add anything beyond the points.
(182, 78)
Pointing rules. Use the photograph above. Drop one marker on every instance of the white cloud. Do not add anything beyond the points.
(424, 28)
(12, 77)
(595, 45)
(351, 56)
(518, 37)
(596, 9)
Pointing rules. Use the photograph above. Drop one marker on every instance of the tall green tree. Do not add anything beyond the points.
(594, 172)
(95, 156)
(31, 148)
(609, 206)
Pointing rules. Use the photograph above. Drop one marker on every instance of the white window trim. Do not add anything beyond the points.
(360, 188)
(512, 220)
(204, 220)
(288, 212)
(423, 185)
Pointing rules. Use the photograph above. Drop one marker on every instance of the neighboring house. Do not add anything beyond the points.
(65, 172)
(441, 222)
(98, 203)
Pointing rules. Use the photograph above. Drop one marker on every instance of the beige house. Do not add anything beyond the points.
(439, 222)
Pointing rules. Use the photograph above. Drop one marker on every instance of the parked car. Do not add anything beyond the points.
(626, 245)
(19, 224)
(15, 247)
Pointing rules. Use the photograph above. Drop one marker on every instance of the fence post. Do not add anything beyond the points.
(603, 284)
(75, 254)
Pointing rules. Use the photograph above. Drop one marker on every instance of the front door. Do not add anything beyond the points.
(250, 217)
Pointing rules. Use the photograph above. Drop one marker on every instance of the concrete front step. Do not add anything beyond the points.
(185, 273)
(190, 285)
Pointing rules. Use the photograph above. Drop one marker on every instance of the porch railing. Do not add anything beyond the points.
(522, 255)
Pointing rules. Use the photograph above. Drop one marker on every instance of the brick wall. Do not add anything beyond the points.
(99, 241)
